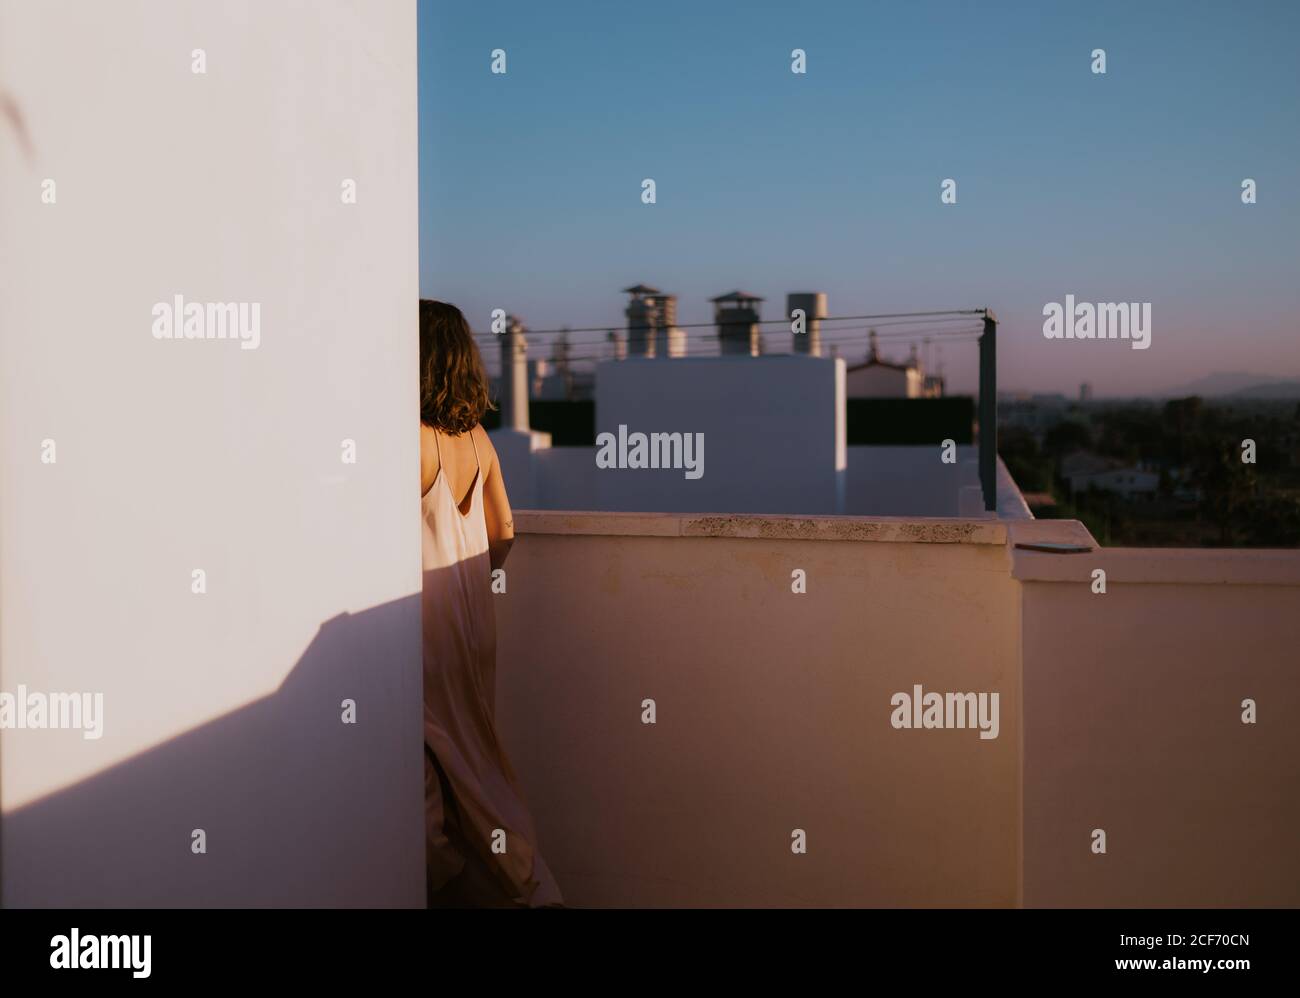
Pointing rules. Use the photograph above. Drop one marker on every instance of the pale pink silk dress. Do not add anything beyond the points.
(474, 807)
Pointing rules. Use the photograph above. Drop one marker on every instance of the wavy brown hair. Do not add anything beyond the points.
(453, 383)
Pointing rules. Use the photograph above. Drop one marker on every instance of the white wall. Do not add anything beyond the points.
(221, 711)
(774, 442)
(567, 478)
(908, 481)
(772, 709)
(774, 436)
(1134, 726)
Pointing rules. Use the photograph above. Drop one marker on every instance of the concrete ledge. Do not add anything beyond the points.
(887, 529)
(1176, 566)
(1033, 531)
(1011, 504)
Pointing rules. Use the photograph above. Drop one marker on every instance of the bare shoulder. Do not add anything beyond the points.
(485, 446)
(428, 444)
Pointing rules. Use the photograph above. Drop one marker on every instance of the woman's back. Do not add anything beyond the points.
(455, 546)
(454, 457)
(455, 526)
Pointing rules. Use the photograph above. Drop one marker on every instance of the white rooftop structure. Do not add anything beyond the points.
(757, 434)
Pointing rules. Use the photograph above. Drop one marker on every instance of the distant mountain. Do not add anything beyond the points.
(1240, 384)
(1271, 390)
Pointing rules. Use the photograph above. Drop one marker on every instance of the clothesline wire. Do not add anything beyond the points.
(880, 320)
(839, 336)
(711, 351)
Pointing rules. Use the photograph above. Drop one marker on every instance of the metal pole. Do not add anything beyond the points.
(989, 411)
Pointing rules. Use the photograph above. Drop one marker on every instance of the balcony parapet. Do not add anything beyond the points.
(881, 529)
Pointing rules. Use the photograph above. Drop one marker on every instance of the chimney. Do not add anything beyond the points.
(514, 376)
(560, 361)
(736, 315)
(813, 304)
(560, 351)
(872, 353)
(617, 348)
(652, 323)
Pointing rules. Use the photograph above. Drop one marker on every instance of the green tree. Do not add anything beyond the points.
(1065, 437)
(1226, 483)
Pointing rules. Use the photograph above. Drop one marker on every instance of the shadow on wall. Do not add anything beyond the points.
(299, 808)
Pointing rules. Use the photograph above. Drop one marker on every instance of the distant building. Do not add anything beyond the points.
(1085, 392)
(1084, 470)
(716, 433)
(1127, 482)
(872, 453)
(541, 379)
(879, 378)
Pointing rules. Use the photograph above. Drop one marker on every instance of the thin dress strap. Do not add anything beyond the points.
(437, 442)
(477, 463)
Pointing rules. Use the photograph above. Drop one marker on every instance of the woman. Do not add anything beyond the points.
(479, 839)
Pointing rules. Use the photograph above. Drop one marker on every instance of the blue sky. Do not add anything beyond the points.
(1117, 187)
